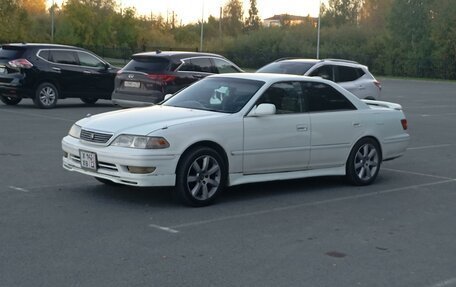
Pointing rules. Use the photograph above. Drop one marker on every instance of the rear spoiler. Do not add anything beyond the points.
(382, 104)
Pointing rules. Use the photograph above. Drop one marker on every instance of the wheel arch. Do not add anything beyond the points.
(40, 81)
(374, 138)
(206, 143)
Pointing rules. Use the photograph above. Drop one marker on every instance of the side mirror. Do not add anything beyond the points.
(263, 110)
(167, 96)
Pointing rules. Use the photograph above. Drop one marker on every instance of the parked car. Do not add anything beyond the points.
(239, 128)
(351, 75)
(149, 76)
(47, 73)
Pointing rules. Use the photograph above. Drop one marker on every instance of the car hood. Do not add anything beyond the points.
(143, 121)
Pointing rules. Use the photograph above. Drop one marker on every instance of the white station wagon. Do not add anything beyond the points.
(239, 128)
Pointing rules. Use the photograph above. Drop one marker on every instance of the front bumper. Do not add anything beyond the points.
(113, 163)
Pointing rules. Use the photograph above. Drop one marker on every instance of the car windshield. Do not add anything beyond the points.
(226, 95)
(294, 68)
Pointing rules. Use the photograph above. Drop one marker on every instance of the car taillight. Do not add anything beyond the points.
(20, 63)
(377, 83)
(160, 77)
(404, 124)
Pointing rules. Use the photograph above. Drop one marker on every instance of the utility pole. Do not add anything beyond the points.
(318, 32)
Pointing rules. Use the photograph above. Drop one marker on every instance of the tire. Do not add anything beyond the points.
(106, 181)
(200, 177)
(10, 101)
(46, 96)
(89, 101)
(364, 162)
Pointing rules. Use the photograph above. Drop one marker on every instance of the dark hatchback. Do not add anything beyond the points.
(149, 76)
(48, 72)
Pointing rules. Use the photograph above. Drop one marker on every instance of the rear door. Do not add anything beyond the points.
(349, 78)
(335, 124)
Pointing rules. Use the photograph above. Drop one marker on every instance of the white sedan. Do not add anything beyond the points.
(239, 128)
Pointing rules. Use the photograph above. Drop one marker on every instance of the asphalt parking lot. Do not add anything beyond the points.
(59, 228)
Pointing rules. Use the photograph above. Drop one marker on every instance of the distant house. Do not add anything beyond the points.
(289, 20)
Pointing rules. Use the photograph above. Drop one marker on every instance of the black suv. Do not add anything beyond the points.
(47, 72)
(149, 76)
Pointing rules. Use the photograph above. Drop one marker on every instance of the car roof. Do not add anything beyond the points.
(176, 54)
(315, 61)
(40, 45)
(268, 77)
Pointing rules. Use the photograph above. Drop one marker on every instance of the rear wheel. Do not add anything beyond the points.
(11, 101)
(364, 162)
(89, 101)
(201, 177)
(46, 96)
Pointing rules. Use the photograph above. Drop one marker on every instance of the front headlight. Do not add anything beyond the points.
(141, 142)
(75, 131)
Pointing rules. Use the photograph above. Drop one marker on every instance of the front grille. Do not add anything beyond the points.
(95, 137)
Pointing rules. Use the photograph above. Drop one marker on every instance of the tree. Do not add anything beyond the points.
(232, 17)
(342, 12)
(33, 6)
(253, 21)
(374, 13)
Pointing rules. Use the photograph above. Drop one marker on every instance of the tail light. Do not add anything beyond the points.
(404, 124)
(20, 63)
(377, 83)
(160, 77)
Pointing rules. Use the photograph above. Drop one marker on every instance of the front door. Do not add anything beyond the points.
(279, 142)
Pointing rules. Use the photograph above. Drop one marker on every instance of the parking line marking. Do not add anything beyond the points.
(449, 282)
(164, 228)
(39, 116)
(429, 146)
(417, 173)
(18, 188)
(309, 204)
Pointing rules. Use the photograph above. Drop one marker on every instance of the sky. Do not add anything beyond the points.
(190, 11)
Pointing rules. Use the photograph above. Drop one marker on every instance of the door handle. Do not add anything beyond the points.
(356, 125)
(302, 128)
(56, 69)
(87, 72)
(198, 76)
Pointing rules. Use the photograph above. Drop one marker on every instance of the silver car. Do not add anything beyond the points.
(351, 75)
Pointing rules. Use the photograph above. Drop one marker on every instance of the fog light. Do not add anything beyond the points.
(141, 169)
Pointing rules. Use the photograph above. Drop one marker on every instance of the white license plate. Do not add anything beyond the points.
(130, 84)
(88, 160)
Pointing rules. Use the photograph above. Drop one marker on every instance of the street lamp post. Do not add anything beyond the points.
(202, 27)
(318, 31)
(52, 22)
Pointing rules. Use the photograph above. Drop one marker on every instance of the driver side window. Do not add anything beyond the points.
(285, 96)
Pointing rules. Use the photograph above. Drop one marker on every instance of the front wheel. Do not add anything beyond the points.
(46, 96)
(201, 177)
(364, 161)
(11, 101)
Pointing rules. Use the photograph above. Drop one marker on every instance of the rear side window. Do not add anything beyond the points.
(320, 97)
(223, 66)
(294, 68)
(148, 65)
(348, 74)
(63, 57)
(44, 54)
(202, 65)
(11, 53)
(85, 59)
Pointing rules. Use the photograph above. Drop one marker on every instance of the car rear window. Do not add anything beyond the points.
(294, 68)
(11, 53)
(148, 65)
